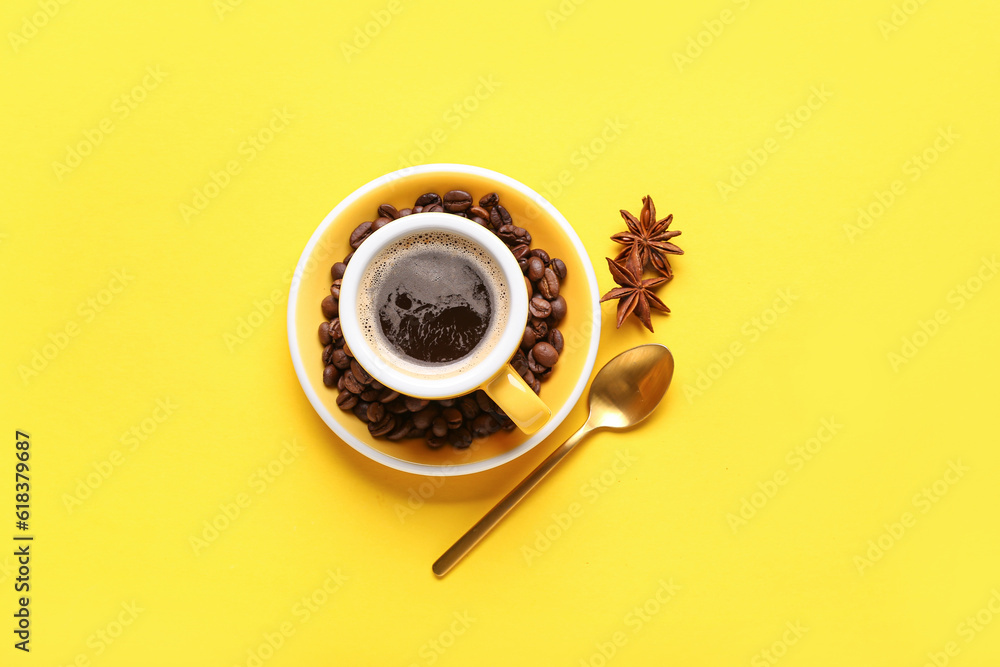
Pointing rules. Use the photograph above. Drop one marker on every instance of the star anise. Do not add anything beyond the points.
(649, 237)
(635, 294)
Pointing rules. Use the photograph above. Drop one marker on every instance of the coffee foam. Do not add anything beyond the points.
(380, 268)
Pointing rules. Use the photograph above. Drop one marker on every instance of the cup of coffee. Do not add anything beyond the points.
(435, 307)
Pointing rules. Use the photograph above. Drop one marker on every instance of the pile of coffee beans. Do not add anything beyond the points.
(454, 421)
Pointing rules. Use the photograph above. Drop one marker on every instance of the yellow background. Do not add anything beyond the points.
(559, 75)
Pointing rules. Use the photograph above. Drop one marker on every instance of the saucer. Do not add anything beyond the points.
(549, 230)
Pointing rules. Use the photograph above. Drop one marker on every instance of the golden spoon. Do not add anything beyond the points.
(624, 393)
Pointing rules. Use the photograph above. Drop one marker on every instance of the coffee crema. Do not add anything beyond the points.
(433, 303)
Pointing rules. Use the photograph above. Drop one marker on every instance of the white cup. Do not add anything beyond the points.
(493, 373)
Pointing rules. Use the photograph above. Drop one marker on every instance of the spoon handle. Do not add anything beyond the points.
(471, 538)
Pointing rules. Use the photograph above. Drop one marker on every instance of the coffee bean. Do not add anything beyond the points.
(347, 259)
(347, 350)
(401, 431)
(555, 339)
(383, 427)
(416, 404)
(545, 354)
(461, 214)
(418, 209)
(559, 267)
(335, 288)
(486, 403)
(439, 426)
(453, 417)
(351, 383)
(541, 254)
(457, 200)
(423, 418)
(360, 233)
(482, 222)
(337, 270)
(484, 425)
(540, 327)
(499, 217)
(330, 376)
(379, 223)
(479, 212)
(469, 407)
(324, 333)
(446, 402)
(520, 363)
(361, 411)
(523, 265)
(346, 400)
(340, 383)
(490, 200)
(387, 395)
(388, 211)
(370, 394)
(360, 374)
(436, 443)
(403, 212)
(558, 309)
(328, 354)
(460, 438)
(536, 268)
(340, 359)
(513, 235)
(539, 307)
(376, 385)
(375, 411)
(330, 307)
(428, 199)
(549, 284)
(335, 331)
(433, 208)
(528, 339)
(522, 251)
(533, 364)
(528, 377)
(528, 286)
(397, 406)
(536, 386)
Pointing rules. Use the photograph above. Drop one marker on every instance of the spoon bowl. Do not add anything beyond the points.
(630, 386)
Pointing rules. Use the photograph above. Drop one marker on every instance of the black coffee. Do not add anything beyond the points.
(434, 307)
(434, 299)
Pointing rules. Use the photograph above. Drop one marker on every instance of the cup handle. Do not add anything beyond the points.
(509, 391)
